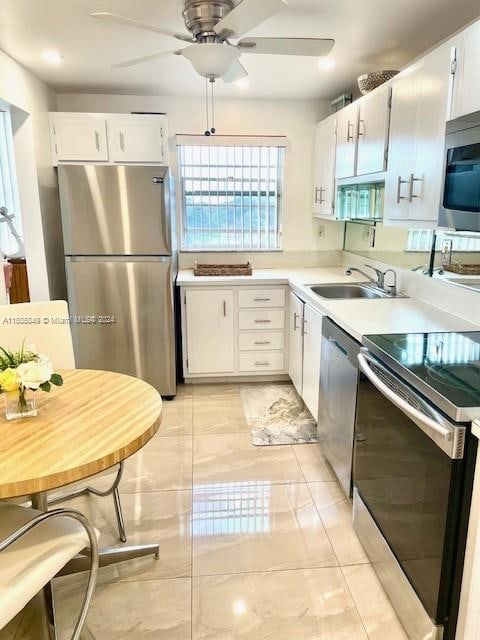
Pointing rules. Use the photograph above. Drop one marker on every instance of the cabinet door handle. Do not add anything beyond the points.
(224, 308)
(295, 316)
(399, 188)
(97, 140)
(122, 141)
(321, 200)
(261, 299)
(349, 128)
(262, 363)
(361, 122)
(262, 342)
(410, 188)
(304, 330)
(261, 321)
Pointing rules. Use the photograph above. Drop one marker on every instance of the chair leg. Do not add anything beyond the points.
(50, 611)
(119, 514)
(102, 494)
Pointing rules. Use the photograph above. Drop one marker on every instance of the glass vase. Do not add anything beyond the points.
(21, 403)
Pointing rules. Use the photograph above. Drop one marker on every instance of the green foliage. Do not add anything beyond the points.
(56, 379)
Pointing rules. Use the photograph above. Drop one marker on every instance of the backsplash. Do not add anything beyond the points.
(458, 301)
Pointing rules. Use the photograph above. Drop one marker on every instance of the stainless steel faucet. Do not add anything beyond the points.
(392, 288)
(378, 281)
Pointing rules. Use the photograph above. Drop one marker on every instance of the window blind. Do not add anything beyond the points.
(231, 193)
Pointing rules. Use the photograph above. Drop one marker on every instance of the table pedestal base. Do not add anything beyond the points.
(109, 556)
(81, 562)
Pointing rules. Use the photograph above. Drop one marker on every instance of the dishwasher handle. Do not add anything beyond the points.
(450, 438)
(338, 346)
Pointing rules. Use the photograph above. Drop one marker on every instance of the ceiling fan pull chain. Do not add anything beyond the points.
(212, 80)
(207, 130)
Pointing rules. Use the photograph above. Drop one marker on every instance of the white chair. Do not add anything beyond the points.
(45, 325)
(34, 548)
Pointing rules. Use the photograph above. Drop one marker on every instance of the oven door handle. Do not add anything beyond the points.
(450, 438)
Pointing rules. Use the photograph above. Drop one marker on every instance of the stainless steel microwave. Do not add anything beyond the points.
(460, 205)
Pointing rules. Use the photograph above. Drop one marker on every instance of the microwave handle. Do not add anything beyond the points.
(436, 424)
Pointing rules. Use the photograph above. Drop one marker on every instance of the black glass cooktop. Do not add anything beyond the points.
(444, 366)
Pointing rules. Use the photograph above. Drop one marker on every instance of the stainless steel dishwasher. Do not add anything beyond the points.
(337, 400)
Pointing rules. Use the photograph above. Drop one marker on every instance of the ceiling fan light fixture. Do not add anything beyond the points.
(211, 60)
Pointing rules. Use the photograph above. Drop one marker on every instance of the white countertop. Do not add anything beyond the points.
(357, 317)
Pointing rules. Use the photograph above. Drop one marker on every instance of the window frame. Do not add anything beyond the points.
(8, 183)
(234, 142)
(439, 238)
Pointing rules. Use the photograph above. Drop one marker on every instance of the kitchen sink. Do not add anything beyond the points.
(347, 291)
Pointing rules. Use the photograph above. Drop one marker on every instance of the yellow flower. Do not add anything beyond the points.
(9, 380)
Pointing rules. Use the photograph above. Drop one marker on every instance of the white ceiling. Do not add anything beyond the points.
(369, 34)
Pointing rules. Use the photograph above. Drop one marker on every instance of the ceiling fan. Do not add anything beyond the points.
(212, 24)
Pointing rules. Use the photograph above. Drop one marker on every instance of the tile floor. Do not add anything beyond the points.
(256, 543)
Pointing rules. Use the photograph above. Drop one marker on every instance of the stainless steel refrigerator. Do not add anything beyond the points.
(120, 262)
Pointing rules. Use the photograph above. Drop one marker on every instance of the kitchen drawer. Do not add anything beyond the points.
(261, 319)
(259, 298)
(261, 341)
(264, 361)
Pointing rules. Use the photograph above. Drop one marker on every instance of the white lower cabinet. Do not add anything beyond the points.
(305, 338)
(234, 331)
(295, 341)
(312, 340)
(264, 362)
(210, 330)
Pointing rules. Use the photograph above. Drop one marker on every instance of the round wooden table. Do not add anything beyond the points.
(91, 423)
(96, 420)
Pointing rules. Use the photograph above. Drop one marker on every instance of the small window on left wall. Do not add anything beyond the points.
(11, 242)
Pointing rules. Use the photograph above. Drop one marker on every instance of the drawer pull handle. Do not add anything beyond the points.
(262, 321)
(262, 363)
(261, 299)
(262, 342)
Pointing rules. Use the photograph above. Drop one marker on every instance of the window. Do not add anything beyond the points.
(10, 224)
(421, 240)
(231, 193)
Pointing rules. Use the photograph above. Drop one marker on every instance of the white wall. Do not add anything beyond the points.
(30, 100)
(243, 116)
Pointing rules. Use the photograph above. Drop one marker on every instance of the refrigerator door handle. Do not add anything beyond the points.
(104, 258)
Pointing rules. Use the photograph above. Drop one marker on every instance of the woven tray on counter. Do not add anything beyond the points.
(462, 269)
(222, 269)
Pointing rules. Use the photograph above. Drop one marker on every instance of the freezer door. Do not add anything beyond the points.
(122, 317)
(115, 210)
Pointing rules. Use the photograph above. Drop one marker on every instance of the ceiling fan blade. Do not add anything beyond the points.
(247, 15)
(287, 46)
(111, 17)
(153, 56)
(236, 72)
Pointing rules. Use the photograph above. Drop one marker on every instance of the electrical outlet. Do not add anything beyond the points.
(321, 231)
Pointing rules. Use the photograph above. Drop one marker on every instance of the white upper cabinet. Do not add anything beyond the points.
(78, 137)
(372, 131)
(109, 138)
(466, 96)
(347, 124)
(420, 102)
(137, 138)
(324, 168)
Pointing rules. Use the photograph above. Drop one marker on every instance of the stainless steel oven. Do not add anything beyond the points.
(412, 484)
(460, 206)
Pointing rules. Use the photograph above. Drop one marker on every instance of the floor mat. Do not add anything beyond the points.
(277, 415)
